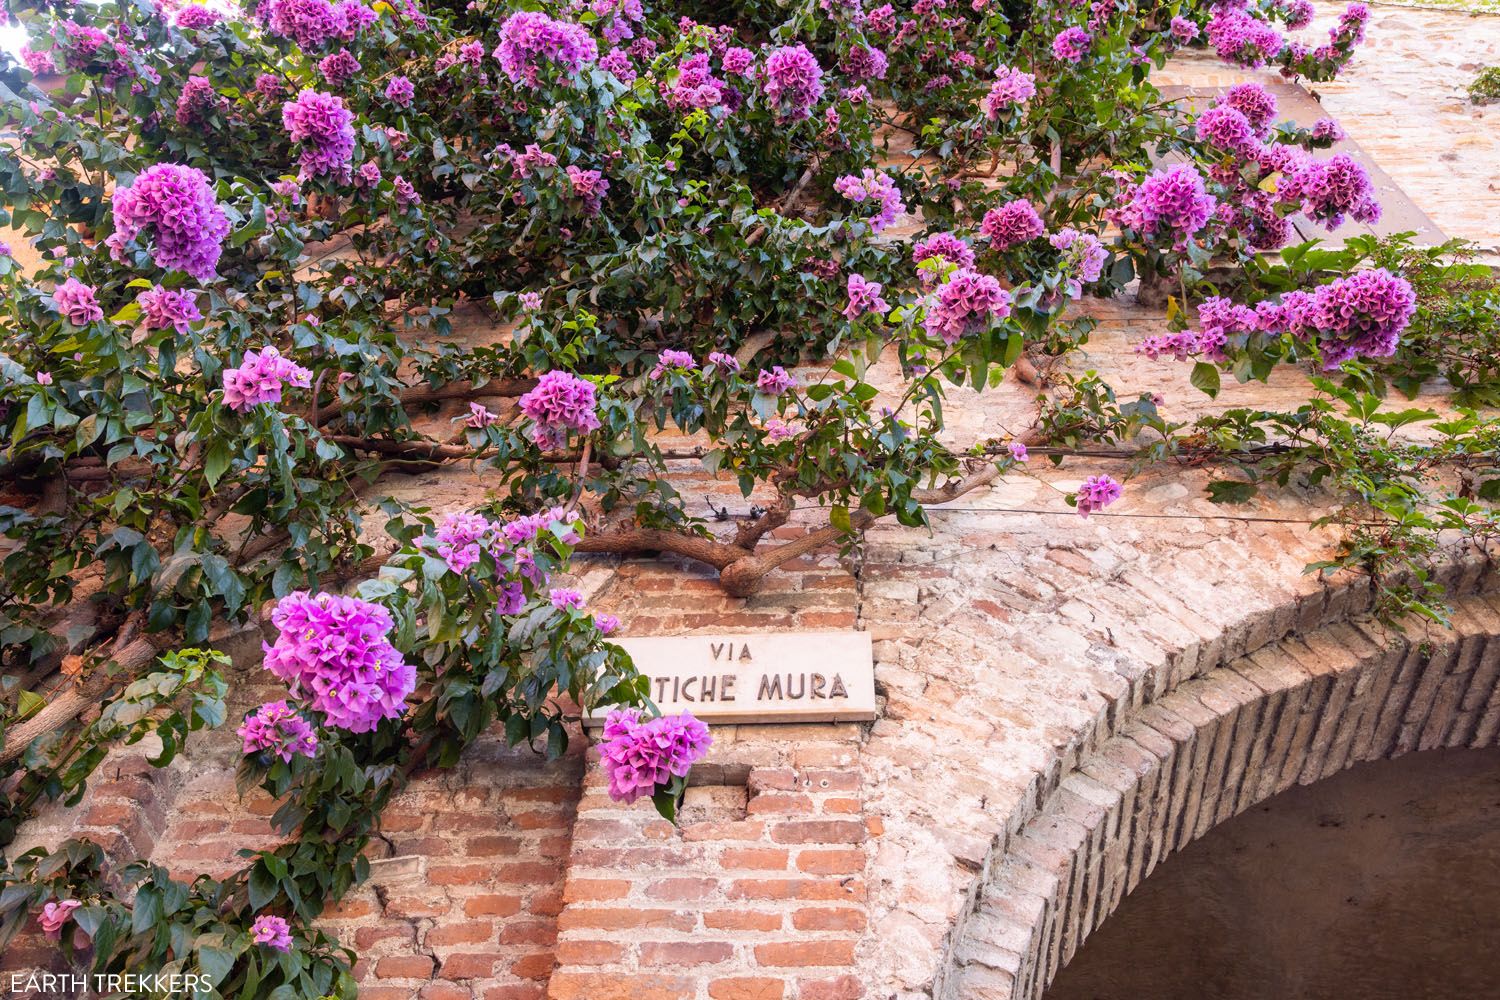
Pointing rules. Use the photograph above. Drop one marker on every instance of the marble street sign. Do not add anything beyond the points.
(759, 676)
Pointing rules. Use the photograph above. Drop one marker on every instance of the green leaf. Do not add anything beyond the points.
(1231, 491)
(1205, 378)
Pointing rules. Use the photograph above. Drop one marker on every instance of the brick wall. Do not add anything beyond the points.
(758, 894)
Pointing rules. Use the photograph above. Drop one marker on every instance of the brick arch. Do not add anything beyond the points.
(1293, 711)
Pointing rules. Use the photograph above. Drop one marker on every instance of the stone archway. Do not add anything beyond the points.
(1294, 711)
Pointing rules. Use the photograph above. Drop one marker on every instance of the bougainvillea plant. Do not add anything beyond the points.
(255, 249)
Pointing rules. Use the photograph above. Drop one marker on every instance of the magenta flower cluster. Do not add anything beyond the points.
(163, 308)
(1330, 189)
(792, 81)
(260, 378)
(1242, 39)
(458, 538)
(863, 62)
(1083, 257)
(641, 757)
(336, 651)
(76, 302)
(325, 128)
(1012, 88)
(1012, 224)
(1096, 493)
(272, 931)
(878, 190)
(591, 186)
(338, 68)
(1071, 44)
(530, 42)
(561, 402)
(275, 727)
(174, 207)
(314, 23)
(1171, 205)
(775, 381)
(965, 304)
(864, 297)
(1255, 102)
(695, 86)
(1363, 314)
(400, 91)
(1228, 130)
(1183, 30)
(941, 246)
(55, 915)
(671, 359)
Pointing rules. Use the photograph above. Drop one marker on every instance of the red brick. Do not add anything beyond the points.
(842, 988)
(819, 831)
(468, 965)
(417, 906)
(614, 986)
(746, 989)
(444, 991)
(827, 619)
(771, 779)
(458, 874)
(683, 888)
(755, 858)
(541, 820)
(393, 821)
(685, 953)
(492, 905)
(547, 902)
(831, 862)
(513, 991)
(535, 966)
(493, 846)
(350, 909)
(770, 804)
(470, 933)
(766, 888)
(531, 872)
(615, 918)
(529, 932)
(802, 953)
(404, 967)
(367, 937)
(741, 920)
(732, 830)
(589, 953)
(829, 918)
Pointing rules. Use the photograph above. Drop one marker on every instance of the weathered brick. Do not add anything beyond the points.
(746, 988)
(822, 831)
(742, 920)
(840, 988)
(755, 858)
(566, 985)
(831, 862)
(829, 918)
(616, 918)
(472, 965)
(492, 905)
(655, 953)
(804, 953)
(404, 967)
